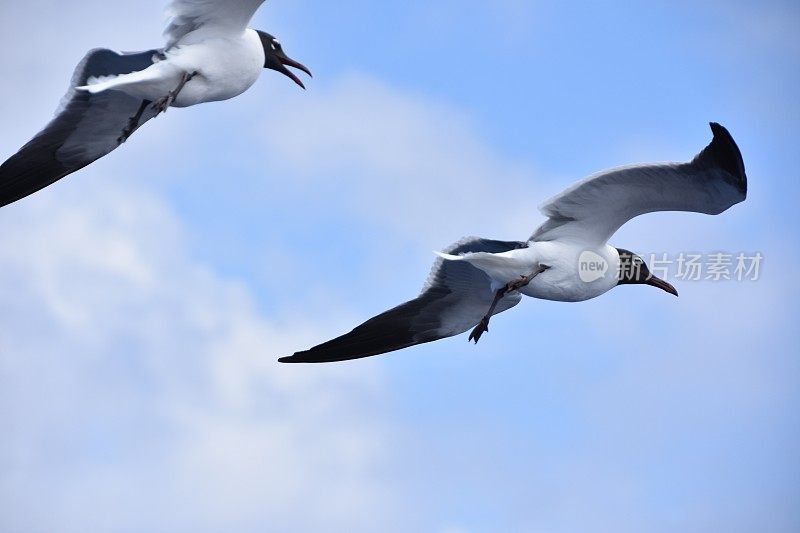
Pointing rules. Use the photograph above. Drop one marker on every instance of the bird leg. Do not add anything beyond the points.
(517, 284)
(162, 104)
(133, 122)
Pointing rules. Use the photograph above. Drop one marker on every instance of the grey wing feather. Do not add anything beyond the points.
(594, 209)
(216, 16)
(86, 127)
(455, 298)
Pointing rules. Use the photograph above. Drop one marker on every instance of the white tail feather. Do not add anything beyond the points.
(501, 268)
(148, 84)
(98, 84)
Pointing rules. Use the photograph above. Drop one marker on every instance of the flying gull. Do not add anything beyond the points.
(567, 259)
(210, 55)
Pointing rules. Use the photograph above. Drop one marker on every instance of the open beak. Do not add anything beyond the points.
(661, 284)
(285, 61)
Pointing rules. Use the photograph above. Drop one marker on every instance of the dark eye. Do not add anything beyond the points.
(276, 45)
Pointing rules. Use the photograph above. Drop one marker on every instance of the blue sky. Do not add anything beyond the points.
(145, 300)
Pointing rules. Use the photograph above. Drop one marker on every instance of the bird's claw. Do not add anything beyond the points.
(511, 286)
(479, 330)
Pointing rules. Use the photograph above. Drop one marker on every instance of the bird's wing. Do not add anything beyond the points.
(594, 209)
(86, 127)
(455, 298)
(221, 16)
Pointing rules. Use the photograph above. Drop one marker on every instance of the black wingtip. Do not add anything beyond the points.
(311, 358)
(726, 154)
(316, 356)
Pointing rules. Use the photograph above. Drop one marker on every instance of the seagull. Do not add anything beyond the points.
(210, 55)
(567, 258)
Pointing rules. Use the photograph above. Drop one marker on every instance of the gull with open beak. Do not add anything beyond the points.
(567, 259)
(210, 55)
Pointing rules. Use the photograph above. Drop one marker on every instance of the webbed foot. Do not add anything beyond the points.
(480, 329)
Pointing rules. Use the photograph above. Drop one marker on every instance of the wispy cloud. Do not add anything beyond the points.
(147, 382)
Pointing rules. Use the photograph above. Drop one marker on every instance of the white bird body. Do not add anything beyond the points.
(225, 67)
(563, 281)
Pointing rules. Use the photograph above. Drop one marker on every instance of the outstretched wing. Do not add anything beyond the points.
(215, 16)
(86, 127)
(594, 209)
(455, 298)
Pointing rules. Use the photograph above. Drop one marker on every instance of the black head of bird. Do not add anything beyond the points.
(633, 271)
(276, 59)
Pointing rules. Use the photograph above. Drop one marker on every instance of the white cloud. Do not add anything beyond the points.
(141, 391)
